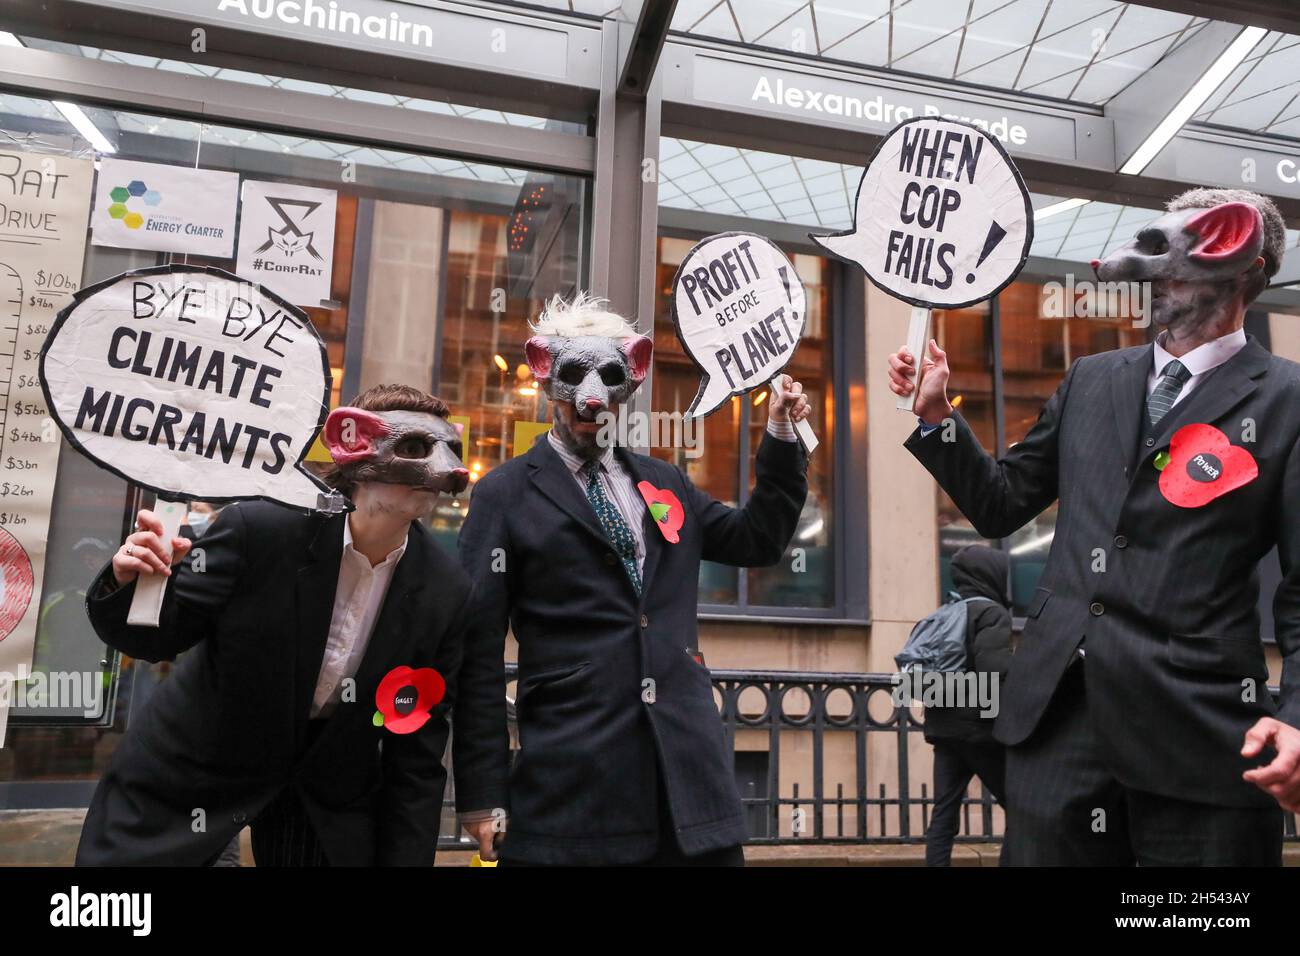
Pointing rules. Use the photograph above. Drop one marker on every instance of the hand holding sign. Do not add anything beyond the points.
(194, 384)
(739, 308)
(942, 220)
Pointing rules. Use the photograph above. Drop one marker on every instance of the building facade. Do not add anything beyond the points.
(486, 156)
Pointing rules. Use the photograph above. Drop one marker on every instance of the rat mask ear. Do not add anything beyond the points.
(350, 434)
(638, 349)
(538, 351)
(1227, 233)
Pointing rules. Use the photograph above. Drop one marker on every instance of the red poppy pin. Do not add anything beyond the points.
(664, 508)
(405, 697)
(1201, 465)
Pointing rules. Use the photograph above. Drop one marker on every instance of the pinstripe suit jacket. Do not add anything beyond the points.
(1174, 663)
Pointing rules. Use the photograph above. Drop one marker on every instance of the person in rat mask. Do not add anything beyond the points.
(326, 649)
(1137, 712)
(591, 554)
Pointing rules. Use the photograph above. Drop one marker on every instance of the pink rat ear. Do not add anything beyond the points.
(639, 349)
(538, 351)
(460, 428)
(1227, 232)
(350, 434)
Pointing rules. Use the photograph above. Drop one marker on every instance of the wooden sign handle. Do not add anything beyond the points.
(918, 337)
(147, 602)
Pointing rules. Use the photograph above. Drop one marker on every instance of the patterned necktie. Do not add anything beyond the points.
(616, 529)
(1170, 383)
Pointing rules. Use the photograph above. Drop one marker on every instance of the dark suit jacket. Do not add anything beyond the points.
(594, 742)
(227, 731)
(1174, 664)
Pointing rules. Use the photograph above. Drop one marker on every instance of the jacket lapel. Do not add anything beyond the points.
(1128, 401)
(1223, 389)
(314, 594)
(650, 533)
(552, 477)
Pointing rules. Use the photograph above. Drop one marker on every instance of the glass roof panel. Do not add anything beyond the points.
(1082, 50)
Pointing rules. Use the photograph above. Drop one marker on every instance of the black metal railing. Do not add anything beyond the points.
(829, 758)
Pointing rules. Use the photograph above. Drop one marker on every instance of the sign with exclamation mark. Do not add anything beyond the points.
(942, 219)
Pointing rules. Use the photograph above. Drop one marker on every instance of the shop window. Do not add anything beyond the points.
(722, 463)
(437, 265)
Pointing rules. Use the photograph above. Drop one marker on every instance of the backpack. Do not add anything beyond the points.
(938, 642)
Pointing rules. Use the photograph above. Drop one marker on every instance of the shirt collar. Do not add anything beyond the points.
(1204, 357)
(575, 463)
(393, 556)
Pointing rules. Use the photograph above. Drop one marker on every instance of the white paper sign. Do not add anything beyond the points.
(193, 383)
(942, 218)
(739, 309)
(286, 239)
(44, 205)
(165, 208)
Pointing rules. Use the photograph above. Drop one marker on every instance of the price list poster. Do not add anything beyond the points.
(44, 211)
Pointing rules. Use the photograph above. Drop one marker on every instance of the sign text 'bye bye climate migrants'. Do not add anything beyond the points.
(191, 382)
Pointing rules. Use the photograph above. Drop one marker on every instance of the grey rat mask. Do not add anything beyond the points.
(1197, 260)
(416, 449)
(1190, 245)
(592, 373)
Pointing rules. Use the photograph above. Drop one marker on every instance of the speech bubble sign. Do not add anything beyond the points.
(739, 309)
(942, 218)
(193, 383)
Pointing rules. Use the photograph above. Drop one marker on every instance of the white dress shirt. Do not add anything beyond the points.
(1200, 361)
(357, 602)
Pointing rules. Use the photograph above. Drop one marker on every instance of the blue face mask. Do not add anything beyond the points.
(198, 521)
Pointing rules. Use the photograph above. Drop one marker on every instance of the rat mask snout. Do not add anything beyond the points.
(416, 449)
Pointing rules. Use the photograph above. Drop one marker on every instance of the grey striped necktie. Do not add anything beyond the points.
(1170, 383)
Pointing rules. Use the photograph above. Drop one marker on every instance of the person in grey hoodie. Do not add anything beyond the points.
(963, 739)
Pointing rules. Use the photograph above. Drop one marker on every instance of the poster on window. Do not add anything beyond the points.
(44, 205)
(286, 240)
(165, 208)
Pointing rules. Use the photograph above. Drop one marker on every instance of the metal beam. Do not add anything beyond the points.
(43, 74)
(530, 60)
(645, 44)
(625, 202)
(1138, 109)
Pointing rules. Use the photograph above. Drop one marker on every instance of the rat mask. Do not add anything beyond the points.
(584, 376)
(1197, 261)
(416, 449)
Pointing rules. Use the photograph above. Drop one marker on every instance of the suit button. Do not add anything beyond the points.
(240, 817)
(610, 559)
(1121, 541)
(1096, 609)
(1150, 442)
(645, 621)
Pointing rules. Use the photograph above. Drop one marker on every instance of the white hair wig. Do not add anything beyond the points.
(583, 315)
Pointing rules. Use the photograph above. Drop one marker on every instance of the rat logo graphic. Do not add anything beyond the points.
(1203, 465)
(665, 509)
(405, 696)
(291, 239)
